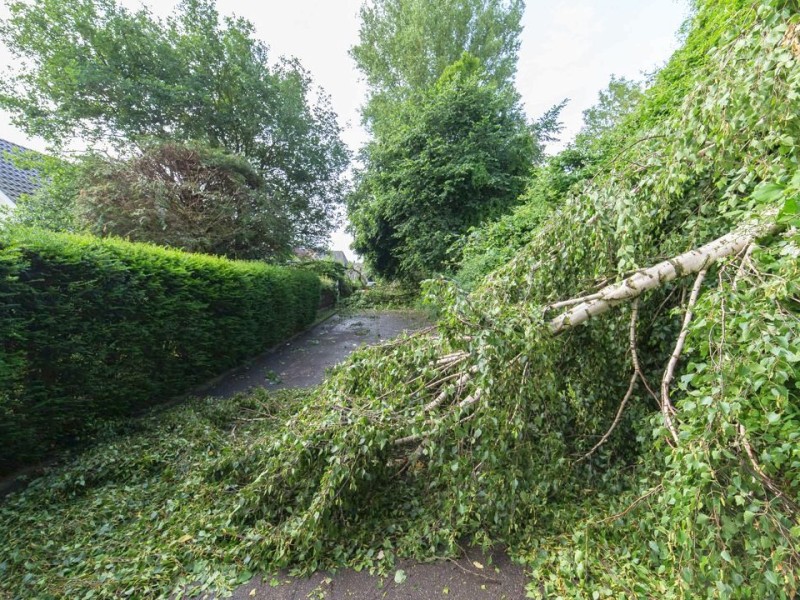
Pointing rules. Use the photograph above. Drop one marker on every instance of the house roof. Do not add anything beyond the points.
(15, 181)
(340, 257)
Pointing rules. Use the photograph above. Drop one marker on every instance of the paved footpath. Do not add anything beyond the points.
(302, 362)
(442, 580)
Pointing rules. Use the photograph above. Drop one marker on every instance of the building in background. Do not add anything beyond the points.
(14, 181)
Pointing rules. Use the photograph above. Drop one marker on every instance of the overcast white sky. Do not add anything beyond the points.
(570, 49)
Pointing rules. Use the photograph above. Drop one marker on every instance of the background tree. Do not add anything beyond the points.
(405, 45)
(51, 206)
(448, 160)
(608, 127)
(187, 196)
(620, 97)
(95, 71)
(450, 146)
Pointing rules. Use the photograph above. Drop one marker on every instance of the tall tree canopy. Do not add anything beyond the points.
(93, 70)
(447, 160)
(451, 147)
(405, 45)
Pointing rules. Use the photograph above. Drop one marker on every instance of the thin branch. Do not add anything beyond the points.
(441, 381)
(452, 358)
(420, 437)
(666, 406)
(633, 505)
(635, 353)
(573, 301)
(409, 439)
(462, 381)
(760, 472)
(469, 572)
(631, 386)
(617, 418)
(742, 265)
(471, 399)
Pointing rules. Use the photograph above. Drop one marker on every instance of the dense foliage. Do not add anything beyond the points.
(93, 329)
(448, 159)
(185, 196)
(52, 205)
(95, 71)
(405, 46)
(606, 131)
(64, 536)
(487, 429)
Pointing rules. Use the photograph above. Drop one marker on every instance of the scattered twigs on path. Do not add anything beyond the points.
(471, 572)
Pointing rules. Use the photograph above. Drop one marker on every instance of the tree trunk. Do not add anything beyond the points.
(687, 263)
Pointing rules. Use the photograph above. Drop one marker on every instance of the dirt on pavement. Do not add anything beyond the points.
(475, 576)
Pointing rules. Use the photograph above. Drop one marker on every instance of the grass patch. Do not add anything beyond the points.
(147, 512)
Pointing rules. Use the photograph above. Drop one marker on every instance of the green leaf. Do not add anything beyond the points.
(772, 577)
(768, 193)
(244, 577)
(790, 213)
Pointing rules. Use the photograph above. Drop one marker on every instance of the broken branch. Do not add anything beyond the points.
(666, 406)
(687, 263)
(631, 385)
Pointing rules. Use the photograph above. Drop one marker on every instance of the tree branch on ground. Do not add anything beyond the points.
(653, 277)
(695, 261)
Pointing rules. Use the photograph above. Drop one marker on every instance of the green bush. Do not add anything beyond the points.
(329, 293)
(94, 329)
(330, 271)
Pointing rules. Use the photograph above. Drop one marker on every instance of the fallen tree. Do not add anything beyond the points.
(688, 263)
(490, 429)
(459, 408)
(694, 262)
(510, 425)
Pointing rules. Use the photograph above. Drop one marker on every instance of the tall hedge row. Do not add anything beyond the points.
(92, 329)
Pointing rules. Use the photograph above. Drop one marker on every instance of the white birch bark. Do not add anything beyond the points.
(642, 281)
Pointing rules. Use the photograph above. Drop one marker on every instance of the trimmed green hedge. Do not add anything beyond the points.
(93, 329)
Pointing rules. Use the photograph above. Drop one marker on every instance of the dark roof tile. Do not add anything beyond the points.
(15, 181)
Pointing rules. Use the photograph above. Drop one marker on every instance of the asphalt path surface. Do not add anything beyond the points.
(302, 361)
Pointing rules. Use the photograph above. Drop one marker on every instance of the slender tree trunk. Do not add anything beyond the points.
(687, 263)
